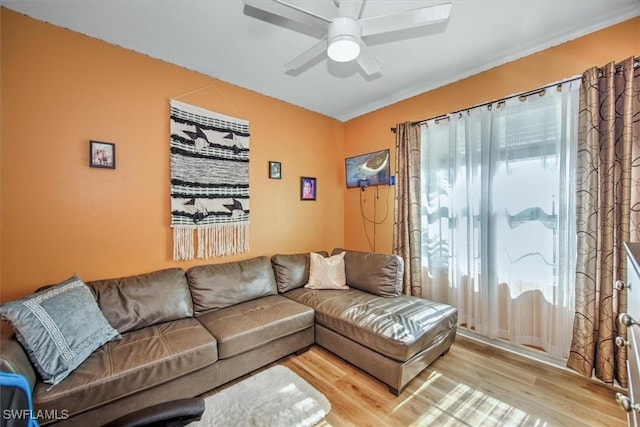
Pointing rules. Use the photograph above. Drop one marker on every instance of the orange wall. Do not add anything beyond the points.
(371, 131)
(61, 89)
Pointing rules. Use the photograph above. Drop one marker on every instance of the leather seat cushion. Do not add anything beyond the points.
(142, 359)
(252, 324)
(397, 327)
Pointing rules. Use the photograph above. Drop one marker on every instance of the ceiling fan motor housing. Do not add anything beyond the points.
(344, 39)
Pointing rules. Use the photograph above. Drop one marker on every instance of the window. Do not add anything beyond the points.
(498, 194)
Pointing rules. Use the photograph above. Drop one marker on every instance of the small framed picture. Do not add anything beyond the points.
(308, 188)
(275, 170)
(102, 155)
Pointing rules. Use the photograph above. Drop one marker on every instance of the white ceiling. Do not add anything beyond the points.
(225, 40)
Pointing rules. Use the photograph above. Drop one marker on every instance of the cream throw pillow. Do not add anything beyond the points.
(327, 273)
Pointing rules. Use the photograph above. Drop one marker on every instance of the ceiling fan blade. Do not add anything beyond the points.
(350, 8)
(406, 20)
(289, 11)
(308, 55)
(367, 61)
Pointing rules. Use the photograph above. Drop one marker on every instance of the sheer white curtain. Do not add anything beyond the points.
(498, 217)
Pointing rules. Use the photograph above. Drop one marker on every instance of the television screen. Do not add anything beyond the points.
(368, 169)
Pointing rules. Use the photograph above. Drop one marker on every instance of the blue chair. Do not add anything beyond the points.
(15, 401)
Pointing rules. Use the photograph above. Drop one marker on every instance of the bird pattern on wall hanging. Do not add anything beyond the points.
(209, 182)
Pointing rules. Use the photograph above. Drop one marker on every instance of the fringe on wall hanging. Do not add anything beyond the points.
(209, 182)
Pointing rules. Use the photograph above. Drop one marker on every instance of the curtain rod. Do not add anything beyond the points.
(495, 101)
(636, 63)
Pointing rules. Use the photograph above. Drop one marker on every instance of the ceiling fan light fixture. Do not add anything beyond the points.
(347, 33)
(343, 48)
(344, 39)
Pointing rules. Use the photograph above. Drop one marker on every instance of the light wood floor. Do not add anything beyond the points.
(473, 385)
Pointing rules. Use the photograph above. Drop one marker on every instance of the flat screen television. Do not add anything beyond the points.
(368, 169)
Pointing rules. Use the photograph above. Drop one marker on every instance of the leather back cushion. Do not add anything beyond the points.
(216, 286)
(135, 302)
(292, 271)
(378, 274)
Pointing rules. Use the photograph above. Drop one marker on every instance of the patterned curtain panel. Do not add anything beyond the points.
(407, 229)
(608, 214)
(209, 182)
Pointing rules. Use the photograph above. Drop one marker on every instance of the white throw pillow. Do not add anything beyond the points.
(327, 273)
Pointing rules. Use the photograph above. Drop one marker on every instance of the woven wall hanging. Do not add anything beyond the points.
(209, 182)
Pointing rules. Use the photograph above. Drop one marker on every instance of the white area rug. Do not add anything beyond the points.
(276, 397)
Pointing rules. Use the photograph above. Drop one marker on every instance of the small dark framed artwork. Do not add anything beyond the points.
(102, 155)
(275, 170)
(308, 188)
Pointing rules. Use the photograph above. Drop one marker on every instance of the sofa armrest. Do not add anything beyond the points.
(13, 357)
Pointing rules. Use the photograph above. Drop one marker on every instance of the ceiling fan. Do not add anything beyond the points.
(345, 34)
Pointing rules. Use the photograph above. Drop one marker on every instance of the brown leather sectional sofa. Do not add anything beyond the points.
(185, 333)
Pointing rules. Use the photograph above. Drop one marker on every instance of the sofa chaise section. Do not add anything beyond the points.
(391, 336)
(398, 327)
